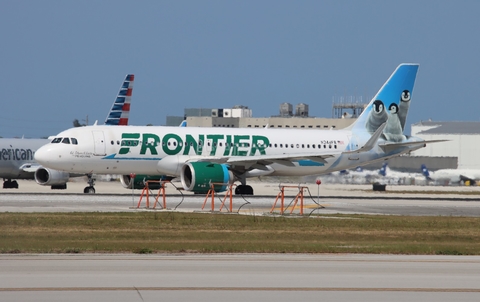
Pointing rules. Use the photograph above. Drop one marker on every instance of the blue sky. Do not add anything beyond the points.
(62, 60)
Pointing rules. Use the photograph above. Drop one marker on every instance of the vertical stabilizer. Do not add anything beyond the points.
(118, 115)
(390, 105)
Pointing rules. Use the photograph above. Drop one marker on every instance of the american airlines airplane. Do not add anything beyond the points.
(205, 157)
(17, 154)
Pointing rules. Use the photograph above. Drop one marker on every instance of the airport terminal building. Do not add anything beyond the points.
(462, 141)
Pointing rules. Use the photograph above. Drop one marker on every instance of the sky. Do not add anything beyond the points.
(65, 60)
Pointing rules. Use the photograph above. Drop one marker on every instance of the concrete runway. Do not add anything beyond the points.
(243, 277)
(345, 199)
(239, 277)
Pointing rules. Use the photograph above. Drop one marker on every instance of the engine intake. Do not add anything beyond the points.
(50, 177)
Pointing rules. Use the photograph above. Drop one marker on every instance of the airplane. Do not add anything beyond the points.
(206, 158)
(17, 154)
(384, 175)
(452, 176)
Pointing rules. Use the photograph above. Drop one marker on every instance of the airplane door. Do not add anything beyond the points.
(99, 143)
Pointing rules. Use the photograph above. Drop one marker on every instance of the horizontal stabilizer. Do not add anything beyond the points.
(392, 146)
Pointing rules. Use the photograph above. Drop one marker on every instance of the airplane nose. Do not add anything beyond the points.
(42, 156)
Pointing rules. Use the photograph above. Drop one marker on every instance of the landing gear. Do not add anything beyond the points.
(91, 182)
(9, 184)
(89, 190)
(243, 190)
(59, 187)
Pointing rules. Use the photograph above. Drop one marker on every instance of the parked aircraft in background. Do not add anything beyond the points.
(452, 176)
(384, 175)
(206, 157)
(17, 154)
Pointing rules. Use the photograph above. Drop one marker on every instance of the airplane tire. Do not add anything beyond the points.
(89, 190)
(14, 184)
(244, 190)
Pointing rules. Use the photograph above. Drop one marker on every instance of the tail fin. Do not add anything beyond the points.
(383, 170)
(389, 105)
(425, 172)
(120, 111)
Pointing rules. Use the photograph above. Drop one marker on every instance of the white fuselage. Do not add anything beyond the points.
(133, 149)
(164, 150)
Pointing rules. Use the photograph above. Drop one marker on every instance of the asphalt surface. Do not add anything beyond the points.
(323, 199)
(243, 277)
(239, 277)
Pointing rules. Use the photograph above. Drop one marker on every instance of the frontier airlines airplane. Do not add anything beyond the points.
(220, 156)
(17, 154)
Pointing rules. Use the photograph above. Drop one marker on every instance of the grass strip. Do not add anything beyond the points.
(176, 232)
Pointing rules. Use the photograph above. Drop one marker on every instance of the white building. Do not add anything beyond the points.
(463, 141)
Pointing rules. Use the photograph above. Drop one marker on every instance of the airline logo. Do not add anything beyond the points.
(16, 154)
(173, 144)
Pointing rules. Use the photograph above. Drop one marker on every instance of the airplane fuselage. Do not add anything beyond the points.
(17, 152)
(164, 150)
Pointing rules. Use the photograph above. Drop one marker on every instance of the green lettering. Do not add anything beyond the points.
(150, 142)
(239, 141)
(259, 143)
(214, 138)
(190, 142)
(128, 140)
(228, 145)
(176, 143)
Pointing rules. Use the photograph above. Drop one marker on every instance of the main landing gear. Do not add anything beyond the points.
(91, 182)
(9, 184)
(244, 190)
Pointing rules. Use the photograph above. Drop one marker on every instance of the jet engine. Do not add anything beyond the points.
(49, 177)
(198, 177)
(140, 180)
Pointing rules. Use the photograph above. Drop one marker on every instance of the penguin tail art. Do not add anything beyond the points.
(396, 89)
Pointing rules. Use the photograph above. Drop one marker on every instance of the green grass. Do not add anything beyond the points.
(150, 232)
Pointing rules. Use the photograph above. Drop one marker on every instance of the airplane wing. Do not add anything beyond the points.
(260, 162)
(30, 167)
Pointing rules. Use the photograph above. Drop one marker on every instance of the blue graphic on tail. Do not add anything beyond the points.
(390, 105)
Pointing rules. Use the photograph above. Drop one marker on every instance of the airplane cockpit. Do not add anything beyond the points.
(65, 140)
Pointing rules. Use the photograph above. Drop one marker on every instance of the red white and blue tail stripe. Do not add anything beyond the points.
(118, 115)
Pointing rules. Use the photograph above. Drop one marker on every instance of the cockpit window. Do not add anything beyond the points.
(66, 140)
(74, 141)
(56, 140)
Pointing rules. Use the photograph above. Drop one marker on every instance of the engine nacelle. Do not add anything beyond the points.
(49, 177)
(197, 177)
(139, 181)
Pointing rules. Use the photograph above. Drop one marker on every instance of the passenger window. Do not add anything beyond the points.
(66, 140)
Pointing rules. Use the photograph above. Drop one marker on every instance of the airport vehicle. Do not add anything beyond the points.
(206, 157)
(452, 176)
(17, 154)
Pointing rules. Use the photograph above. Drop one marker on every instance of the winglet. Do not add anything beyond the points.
(371, 142)
(120, 111)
